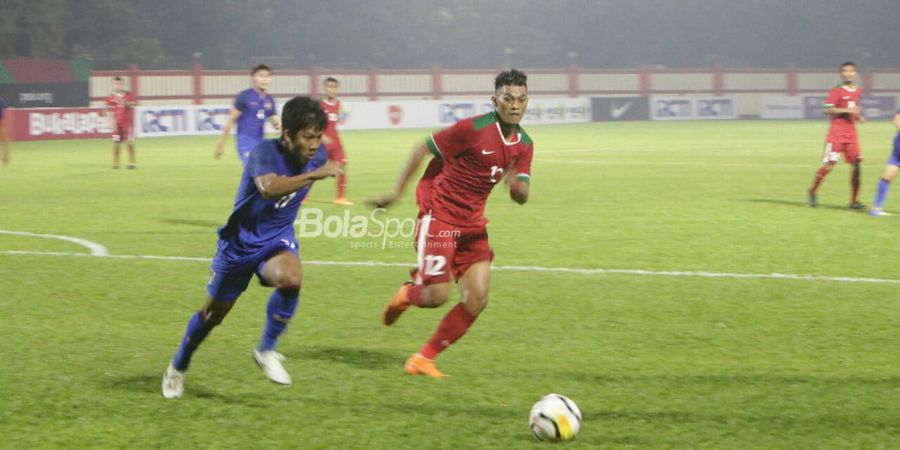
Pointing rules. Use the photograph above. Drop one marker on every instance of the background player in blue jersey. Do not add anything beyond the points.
(4, 141)
(893, 165)
(251, 109)
(259, 239)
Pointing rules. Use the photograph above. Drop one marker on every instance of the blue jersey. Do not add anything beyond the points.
(255, 108)
(255, 221)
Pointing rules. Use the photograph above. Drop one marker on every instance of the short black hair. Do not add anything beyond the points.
(511, 77)
(259, 67)
(330, 80)
(117, 79)
(300, 113)
(848, 63)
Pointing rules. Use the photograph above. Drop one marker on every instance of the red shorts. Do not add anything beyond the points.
(336, 153)
(833, 152)
(123, 132)
(443, 249)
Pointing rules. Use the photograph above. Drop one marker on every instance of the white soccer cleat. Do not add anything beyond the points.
(173, 382)
(270, 363)
(878, 212)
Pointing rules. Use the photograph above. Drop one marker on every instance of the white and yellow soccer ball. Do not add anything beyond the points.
(555, 418)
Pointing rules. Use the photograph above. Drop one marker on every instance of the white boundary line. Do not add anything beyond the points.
(95, 248)
(572, 270)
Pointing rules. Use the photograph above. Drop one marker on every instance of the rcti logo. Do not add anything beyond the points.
(164, 120)
(211, 119)
(454, 112)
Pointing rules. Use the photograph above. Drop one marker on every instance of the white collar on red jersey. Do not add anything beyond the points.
(505, 142)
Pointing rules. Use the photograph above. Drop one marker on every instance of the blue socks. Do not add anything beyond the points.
(196, 332)
(883, 186)
(282, 305)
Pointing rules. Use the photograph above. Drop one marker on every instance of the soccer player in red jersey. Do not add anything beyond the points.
(470, 158)
(121, 105)
(843, 105)
(332, 140)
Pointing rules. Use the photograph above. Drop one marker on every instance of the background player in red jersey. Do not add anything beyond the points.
(332, 140)
(121, 105)
(470, 158)
(843, 105)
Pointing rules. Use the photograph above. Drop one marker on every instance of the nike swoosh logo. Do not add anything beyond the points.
(618, 112)
(485, 152)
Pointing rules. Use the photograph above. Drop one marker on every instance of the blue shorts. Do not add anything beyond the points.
(244, 146)
(894, 160)
(231, 271)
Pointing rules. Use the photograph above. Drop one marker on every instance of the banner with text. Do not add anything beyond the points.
(57, 123)
(693, 108)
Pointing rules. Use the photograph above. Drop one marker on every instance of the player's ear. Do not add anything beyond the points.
(494, 101)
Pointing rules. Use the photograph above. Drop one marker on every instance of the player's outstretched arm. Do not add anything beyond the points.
(274, 186)
(226, 130)
(897, 121)
(411, 168)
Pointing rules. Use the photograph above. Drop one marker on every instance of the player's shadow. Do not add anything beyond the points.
(150, 384)
(193, 223)
(795, 203)
(358, 357)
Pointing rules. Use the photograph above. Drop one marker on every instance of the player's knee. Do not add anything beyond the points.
(289, 281)
(436, 294)
(212, 317)
(475, 301)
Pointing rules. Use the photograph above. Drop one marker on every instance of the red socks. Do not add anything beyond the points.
(341, 185)
(454, 326)
(414, 294)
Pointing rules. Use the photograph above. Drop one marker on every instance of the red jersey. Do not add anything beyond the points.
(843, 126)
(333, 111)
(470, 158)
(123, 113)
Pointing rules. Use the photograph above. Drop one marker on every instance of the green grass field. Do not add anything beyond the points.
(653, 360)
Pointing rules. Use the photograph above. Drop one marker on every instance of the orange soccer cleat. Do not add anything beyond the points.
(420, 365)
(342, 201)
(396, 306)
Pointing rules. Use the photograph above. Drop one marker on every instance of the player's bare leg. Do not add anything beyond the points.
(284, 272)
(854, 185)
(424, 296)
(115, 156)
(820, 176)
(132, 161)
(473, 295)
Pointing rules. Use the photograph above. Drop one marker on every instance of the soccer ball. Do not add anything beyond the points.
(555, 418)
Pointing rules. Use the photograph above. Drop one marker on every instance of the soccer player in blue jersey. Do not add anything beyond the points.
(258, 238)
(251, 109)
(4, 141)
(890, 170)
